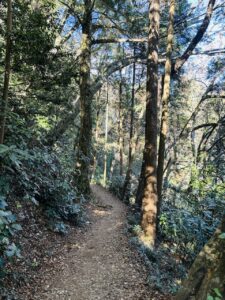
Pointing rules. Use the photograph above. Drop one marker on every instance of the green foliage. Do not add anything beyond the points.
(13, 156)
(32, 28)
(216, 295)
(37, 176)
(116, 185)
(8, 227)
(222, 236)
(186, 232)
(165, 272)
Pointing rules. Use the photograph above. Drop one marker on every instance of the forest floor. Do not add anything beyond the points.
(93, 263)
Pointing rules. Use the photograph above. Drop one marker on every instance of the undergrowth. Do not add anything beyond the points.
(35, 176)
(185, 227)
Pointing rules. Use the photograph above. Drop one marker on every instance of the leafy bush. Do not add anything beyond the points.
(188, 225)
(8, 227)
(37, 176)
(165, 272)
(116, 185)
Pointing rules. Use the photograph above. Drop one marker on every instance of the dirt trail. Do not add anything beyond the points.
(102, 265)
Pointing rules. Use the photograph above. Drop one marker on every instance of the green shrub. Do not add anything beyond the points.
(116, 185)
(8, 227)
(37, 176)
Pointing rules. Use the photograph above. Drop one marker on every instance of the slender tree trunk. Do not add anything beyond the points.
(193, 143)
(4, 101)
(112, 165)
(207, 272)
(165, 99)
(85, 142)
(150, 196)
(120, 125)
(168, 171)
(97, 116)
(96, 134)
(106, 135)
(160, 90)
(194, 163)
(141, 183)
(126, 186)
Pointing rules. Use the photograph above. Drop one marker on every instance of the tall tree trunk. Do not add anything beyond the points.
(4, 102)
(96, 134)
(120, 125)
(165, 99)
(106, 135)
(207, 275)
(83, 161)
(150, 196)
(126, 186)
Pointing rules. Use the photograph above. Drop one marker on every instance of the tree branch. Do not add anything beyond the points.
(112, 68)
(119, 40)
(72, 10)
(204, 125)
(197, 38)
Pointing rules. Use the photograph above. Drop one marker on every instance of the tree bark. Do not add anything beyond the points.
(120, 125)
(150, 196)
(141, 182)
(126, 186)
(165, 99)
(207, 272)
(96, 134)
(4, 102)
(106, 135)
(83, 161)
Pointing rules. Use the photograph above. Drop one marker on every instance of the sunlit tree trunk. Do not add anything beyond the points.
(106, 135)
(165, 99)
(126, 186)
(207, 275)
(150, 196)
(4, 101)
(141, 180)
(83, 161)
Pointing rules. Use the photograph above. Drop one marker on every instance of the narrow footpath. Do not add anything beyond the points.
(102, 265)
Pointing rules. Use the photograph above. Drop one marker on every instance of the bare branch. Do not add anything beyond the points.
(72, 10)
(119, 40)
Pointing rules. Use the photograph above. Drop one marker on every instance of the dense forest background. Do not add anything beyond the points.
(75, 111)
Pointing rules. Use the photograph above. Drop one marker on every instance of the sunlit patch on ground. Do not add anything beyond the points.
(99, 212)
(73, 246)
